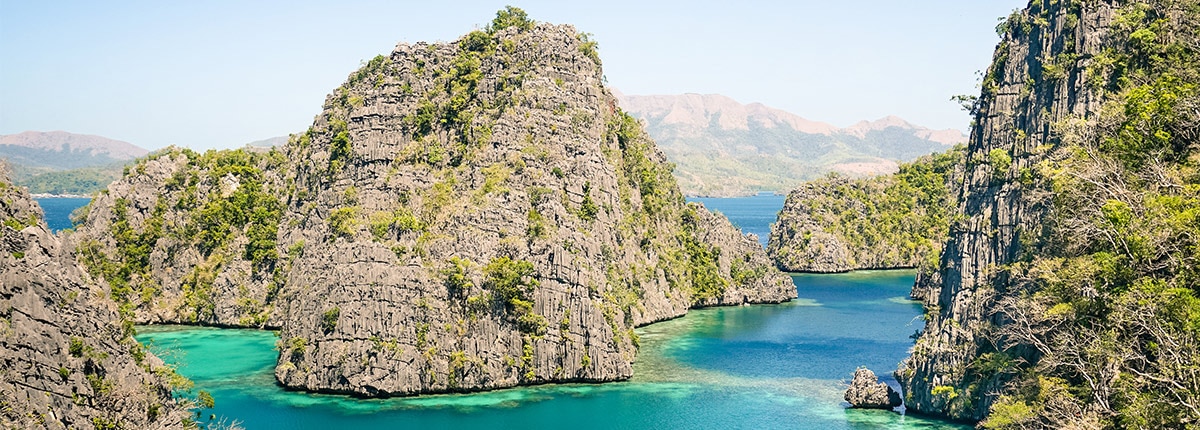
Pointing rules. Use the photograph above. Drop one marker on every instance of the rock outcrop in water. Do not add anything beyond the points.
(66, 361)
(1072, 261)
(838, 224)
(461, 216)
(867, 392)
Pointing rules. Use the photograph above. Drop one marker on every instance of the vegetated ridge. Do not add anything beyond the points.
(838, 224)
(724, 148)
(1066, 294)
(66, 359)
(461, 216)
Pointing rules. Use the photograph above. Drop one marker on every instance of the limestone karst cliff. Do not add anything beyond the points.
(66, 361)
(838, 224)
(461, 216)
(1066, 293)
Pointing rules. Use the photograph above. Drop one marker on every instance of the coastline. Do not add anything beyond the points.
(59, 196)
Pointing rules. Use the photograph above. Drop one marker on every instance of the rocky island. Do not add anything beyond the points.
(838, 224)
(461, 216)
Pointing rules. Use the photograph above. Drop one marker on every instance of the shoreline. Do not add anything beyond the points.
(59, 196)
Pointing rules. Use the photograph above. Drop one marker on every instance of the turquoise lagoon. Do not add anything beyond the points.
(751, 367)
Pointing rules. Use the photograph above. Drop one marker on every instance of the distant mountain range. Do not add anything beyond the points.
(59, 150)
(720, 147)
(58, 162)
(725, 148)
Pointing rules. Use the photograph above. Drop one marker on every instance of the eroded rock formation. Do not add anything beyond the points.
(66, 360)
(461, 216)
(867, 392)
(838, 224)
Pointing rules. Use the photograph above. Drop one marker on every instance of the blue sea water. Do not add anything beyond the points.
(751, 214)
(755, 367)
(58, 211)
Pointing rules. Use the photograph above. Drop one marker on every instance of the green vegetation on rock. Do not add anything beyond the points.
(449, 202)
(837, 224)
(216, 203)
(1067, 294)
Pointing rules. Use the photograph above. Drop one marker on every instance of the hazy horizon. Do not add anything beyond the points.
(221, 74)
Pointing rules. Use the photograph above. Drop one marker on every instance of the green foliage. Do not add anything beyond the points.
(458, 279)
(588, 209)
(205, 400)
(535, 224)
(375, 67)
(83, 181)
(589, 47)
(339, 147)
(652, 179)
(401, 220)
(705, 274)
(1009, 414)
(510, 17)
(103, 423)
(297, 347)
(512, 282)
(250, 207)
(1001, 162)
(1105, 314)
(343, 221)
(76, 347)
(329, 319)
(898, 220)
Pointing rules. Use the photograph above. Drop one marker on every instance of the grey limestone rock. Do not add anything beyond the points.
(1017, 112)
(66, 360)
(461, 216)
(867, 392)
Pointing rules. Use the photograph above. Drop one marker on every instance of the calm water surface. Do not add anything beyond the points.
(751, 214)
(755, 367)
(58, 211)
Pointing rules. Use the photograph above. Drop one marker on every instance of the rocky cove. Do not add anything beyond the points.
(479, 215)
(762, 366)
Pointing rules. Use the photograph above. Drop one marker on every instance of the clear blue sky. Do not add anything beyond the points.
(214, 74)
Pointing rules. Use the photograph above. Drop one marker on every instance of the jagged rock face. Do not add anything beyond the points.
(801, 240)
(190, 238)
(1020, 104)
(542, 185)
(867, 392)
(461, 216)
(65, 359)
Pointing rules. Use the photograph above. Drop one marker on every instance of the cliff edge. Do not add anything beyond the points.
(66, 361)
(1065, 295)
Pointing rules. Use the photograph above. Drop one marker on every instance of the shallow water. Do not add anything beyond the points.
(762, 367)
(772, 366)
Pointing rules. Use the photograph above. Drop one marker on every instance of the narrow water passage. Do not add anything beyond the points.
(773, 366)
